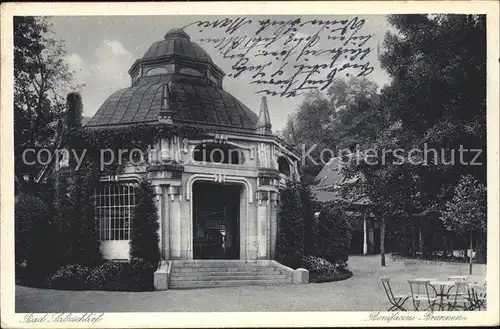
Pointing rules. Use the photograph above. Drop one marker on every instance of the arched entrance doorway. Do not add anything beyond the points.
(216, 220)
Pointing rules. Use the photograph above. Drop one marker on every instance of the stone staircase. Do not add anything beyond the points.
(187, 274)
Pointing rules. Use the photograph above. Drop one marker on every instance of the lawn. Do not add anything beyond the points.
(362, 292)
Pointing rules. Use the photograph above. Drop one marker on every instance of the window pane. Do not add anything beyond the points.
(113, 211)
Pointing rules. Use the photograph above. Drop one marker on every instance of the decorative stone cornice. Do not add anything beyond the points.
(269, 173)
(165, 167)
(218, 178)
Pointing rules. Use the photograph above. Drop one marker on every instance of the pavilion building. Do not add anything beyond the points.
(217, 199)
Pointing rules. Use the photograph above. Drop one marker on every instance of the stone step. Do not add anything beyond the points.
(225, 283)
(224, 273)
(191, 278)
(219, 264)
(223, 269)
(221, 261)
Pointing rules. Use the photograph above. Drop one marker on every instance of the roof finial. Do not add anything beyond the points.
(165, 115)
(177, 33)
(291, 132)
(264, 123)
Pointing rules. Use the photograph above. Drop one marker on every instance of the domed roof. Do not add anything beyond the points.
(190, 100)
(177, 42)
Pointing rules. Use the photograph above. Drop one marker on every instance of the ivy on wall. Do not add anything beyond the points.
(144, 232)
(91, 142)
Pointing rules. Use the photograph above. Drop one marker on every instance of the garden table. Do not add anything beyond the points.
(441, 286)
(458, 277)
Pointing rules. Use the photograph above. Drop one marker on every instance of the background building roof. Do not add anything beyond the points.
(329, 180)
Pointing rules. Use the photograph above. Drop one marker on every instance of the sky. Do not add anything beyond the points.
(101, 50)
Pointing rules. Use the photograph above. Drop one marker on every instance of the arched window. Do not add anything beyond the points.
(283, 166)
(114, 204)
(158, 70)
(218, 153)
(190, 71)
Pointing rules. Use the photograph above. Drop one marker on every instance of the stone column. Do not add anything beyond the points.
(159, 210)
(175, 222)
(186, 228)
(273, 224)
(262, 221)
(166, 226)
(243, 223)
(252, 231)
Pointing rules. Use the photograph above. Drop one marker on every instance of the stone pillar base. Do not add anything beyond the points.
(161, 279)
(300, 276)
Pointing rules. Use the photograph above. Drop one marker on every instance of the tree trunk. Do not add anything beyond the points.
(382, 241)
(420, 241)
(451, 244)
(480, 248)
(413, 247)
(445, 247)
(470, 256)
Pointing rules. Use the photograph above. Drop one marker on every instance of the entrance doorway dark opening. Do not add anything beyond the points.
(216, 221)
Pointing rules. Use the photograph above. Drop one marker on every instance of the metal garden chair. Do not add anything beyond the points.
(477, 297)
(397, 301)
(422, 291)
(458, 296)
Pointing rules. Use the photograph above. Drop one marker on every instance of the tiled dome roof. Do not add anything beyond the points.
(191, 100)
(188, 98)
(177, 42)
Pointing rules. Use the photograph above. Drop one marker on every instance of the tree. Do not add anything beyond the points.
(73, 201)
(438, 93)
(77, 234)
(33, 233)
(311, 247)
(290, 241)
(86, 247)
(334, 233)
(40, 75)
(466, 212)
(435, 101)
(337, 115)
(144, 242)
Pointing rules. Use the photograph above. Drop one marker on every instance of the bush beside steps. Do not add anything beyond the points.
(136, 275)
(320, 270)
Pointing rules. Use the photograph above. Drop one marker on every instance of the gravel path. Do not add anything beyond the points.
(362, 292)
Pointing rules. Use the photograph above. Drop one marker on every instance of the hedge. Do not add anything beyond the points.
(136, 275)
(321, 270)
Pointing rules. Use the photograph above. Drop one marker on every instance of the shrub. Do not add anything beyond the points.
(33, 238)
(335, 234)
(85, 249)
(290, 244)
(310, 223)
(115, 276)
(71, 277)
(144, 227)
(321, 270)
(102, 276)
(141, 275)
(76, 227)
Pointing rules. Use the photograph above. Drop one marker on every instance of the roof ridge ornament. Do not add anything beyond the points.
(177, 33)
(165, 115)
(264, 122)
